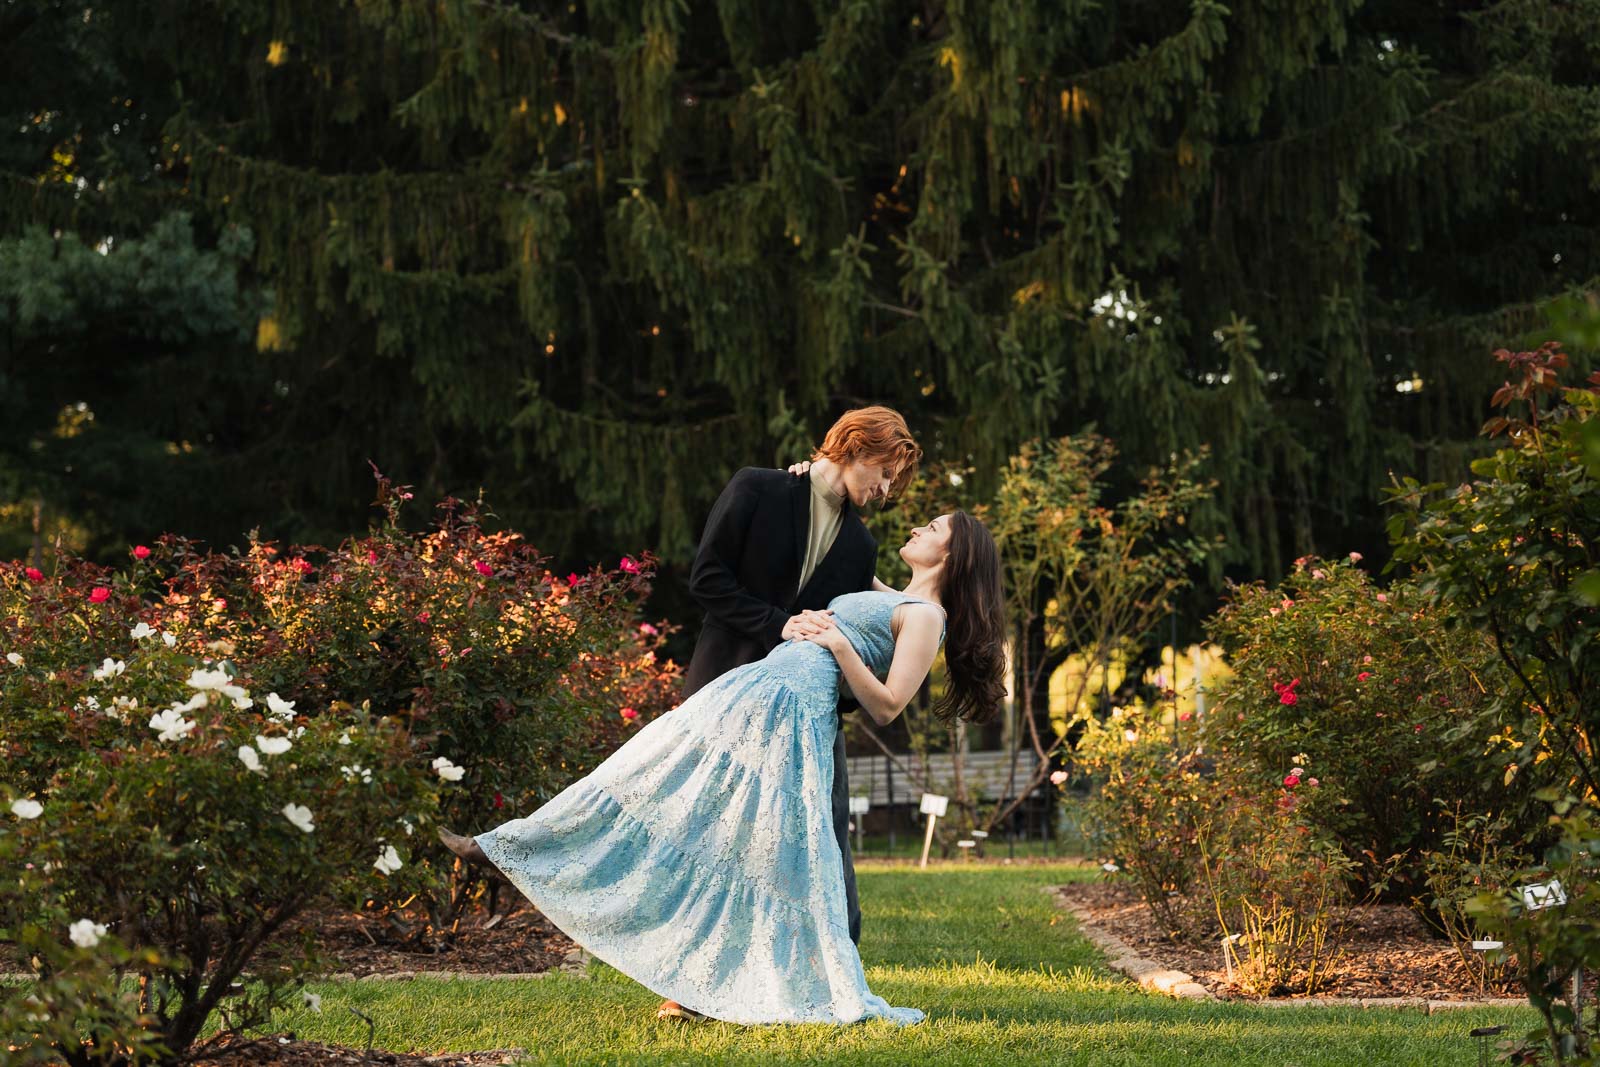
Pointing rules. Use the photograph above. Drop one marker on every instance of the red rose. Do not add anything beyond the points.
(34, 574)
(99, 595)
(629, 714)
(1291, 780)
(1363, 676)
(483, 568)
(628, 564)
(141, 552)
(1288, 697)
(574, 580)
(423, 616)
(1185, 716)
(372, 557)
(499, 801)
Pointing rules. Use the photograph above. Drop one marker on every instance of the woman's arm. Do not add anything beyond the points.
(914, 650)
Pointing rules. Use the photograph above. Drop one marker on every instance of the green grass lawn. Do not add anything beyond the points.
(1000, 971)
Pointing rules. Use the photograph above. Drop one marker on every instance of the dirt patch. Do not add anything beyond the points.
(1386, 950)
(521, 942)
(286, 1051)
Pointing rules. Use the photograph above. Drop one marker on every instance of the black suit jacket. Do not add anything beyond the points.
(748, 565)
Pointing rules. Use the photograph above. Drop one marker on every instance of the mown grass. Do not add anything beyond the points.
(1002, 974)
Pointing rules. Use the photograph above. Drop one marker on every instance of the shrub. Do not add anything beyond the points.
(76, 1011)
(1514, 553)
(464, 639)
(202, 821)
(1375, 696)
(1144, 816)
(214, 741)
(1276, 882)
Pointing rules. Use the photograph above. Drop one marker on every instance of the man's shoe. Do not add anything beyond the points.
(671, 1009)
(470, 852)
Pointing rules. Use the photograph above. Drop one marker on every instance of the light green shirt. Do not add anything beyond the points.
(827, 515)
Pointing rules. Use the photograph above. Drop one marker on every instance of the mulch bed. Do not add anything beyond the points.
(523, 942)
(1386, 950)
(288, 1051)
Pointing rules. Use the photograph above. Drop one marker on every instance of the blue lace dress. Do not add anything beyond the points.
(700, 859)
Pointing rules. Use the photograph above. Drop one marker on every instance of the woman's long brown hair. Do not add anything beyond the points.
(973, 593)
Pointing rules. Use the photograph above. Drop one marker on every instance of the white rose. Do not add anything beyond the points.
(14, 658)
(300, 815)
(273, 746)
(204, 679)
(250, 759)
(388, 861)
(168, 639)
(142, 631)
(26, 808)
(110, 668)
(448, 771)
(86, 933)
(170, 725)
(280, 709)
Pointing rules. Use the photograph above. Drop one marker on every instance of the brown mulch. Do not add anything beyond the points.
(1385, 950)
(288, 1051)
(523, 942)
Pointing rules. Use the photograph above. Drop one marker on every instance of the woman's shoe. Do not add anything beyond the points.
(470, 852)
(671, 1009)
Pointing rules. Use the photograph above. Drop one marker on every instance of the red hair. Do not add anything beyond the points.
(874, 433)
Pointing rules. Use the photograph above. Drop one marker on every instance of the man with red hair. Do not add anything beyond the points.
(777, 548)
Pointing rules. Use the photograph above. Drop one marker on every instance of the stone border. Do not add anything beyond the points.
(574, 963)
(1156, 978)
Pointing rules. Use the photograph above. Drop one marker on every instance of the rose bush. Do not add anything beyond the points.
(196, 823)
(199, 745)
(1377, 698)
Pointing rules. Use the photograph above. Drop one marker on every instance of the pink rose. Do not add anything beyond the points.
(1319, 574)
(423, 616)
(483, 568)
(1366, 659)
(99, 595)
(1057, 777)
(1383, 598)
(372, 557)
(1355, 557)
(1185, 716)
(629, 714)
(34, 574)
(1291, 780)
(221, 604)
(303, 566)
(628, 564)
(1312, 782)
(464, 651)
(648, 630)
(141, 552)
(1297, 772)
(575, 580)
(1286, 604)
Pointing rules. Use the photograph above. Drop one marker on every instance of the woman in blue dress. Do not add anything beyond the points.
(700, 859)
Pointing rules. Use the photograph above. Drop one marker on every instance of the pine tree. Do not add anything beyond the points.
(594, 255)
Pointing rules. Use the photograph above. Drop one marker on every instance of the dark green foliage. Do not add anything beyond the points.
(596, 255)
